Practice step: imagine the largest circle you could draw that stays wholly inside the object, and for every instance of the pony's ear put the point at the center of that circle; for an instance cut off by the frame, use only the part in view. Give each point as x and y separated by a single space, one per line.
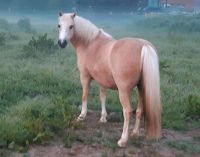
60 13
73 15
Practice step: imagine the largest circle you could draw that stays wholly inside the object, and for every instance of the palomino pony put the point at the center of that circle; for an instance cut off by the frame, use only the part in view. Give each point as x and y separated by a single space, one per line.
115 64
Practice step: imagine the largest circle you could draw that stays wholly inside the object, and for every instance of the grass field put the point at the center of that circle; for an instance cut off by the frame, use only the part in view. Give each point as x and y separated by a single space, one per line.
40 89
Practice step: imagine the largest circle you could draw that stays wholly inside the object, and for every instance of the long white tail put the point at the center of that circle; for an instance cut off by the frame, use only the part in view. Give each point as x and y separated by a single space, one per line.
151 92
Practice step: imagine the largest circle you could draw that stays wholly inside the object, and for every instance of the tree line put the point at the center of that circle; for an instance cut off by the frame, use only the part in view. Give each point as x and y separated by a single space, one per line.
69 4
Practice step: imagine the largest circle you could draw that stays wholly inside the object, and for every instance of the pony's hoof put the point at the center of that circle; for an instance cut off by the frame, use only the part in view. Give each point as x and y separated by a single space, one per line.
135 134
122 143
80 118
103 120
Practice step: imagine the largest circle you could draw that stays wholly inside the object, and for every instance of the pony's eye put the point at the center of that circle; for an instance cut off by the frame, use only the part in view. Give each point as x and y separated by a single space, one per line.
58 26
71 26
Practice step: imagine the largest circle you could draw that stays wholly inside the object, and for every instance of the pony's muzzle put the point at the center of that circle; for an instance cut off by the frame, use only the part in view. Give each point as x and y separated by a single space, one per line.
63 43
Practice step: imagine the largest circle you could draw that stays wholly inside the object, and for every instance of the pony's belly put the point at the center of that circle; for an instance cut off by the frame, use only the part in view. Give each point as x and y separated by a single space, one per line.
107 84
105 81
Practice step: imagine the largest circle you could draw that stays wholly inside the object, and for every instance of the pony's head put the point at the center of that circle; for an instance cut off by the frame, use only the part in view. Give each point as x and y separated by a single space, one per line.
66 28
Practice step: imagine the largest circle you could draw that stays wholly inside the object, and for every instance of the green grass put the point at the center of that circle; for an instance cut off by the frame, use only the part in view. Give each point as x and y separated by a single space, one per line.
137 142
104 154
4 153
34 120
196 138
39 95
70 138
186 146
110 143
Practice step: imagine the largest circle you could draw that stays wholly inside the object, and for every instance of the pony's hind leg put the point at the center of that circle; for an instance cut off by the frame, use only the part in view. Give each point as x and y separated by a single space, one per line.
124 96
139 113
85 82
103 105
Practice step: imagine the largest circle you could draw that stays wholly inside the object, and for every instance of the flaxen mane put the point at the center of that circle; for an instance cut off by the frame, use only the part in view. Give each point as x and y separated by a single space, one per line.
86 30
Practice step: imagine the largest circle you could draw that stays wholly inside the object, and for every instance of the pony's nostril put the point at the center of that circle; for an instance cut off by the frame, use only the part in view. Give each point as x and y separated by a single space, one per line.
65 42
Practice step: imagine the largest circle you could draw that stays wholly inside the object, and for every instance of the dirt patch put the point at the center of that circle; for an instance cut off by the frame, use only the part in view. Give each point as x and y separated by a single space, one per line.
94 139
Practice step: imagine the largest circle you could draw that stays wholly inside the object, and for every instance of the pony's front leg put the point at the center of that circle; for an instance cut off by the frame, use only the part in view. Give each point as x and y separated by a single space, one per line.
85 82
124 96
103 105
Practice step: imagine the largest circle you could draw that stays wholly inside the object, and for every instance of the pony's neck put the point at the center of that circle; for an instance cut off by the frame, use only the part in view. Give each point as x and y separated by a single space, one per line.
85 31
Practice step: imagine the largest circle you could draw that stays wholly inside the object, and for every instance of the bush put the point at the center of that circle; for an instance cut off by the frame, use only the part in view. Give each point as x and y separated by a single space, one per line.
193 106
40 45
172 24
12 36
185 24
2 39
25 25
34 120
4 24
